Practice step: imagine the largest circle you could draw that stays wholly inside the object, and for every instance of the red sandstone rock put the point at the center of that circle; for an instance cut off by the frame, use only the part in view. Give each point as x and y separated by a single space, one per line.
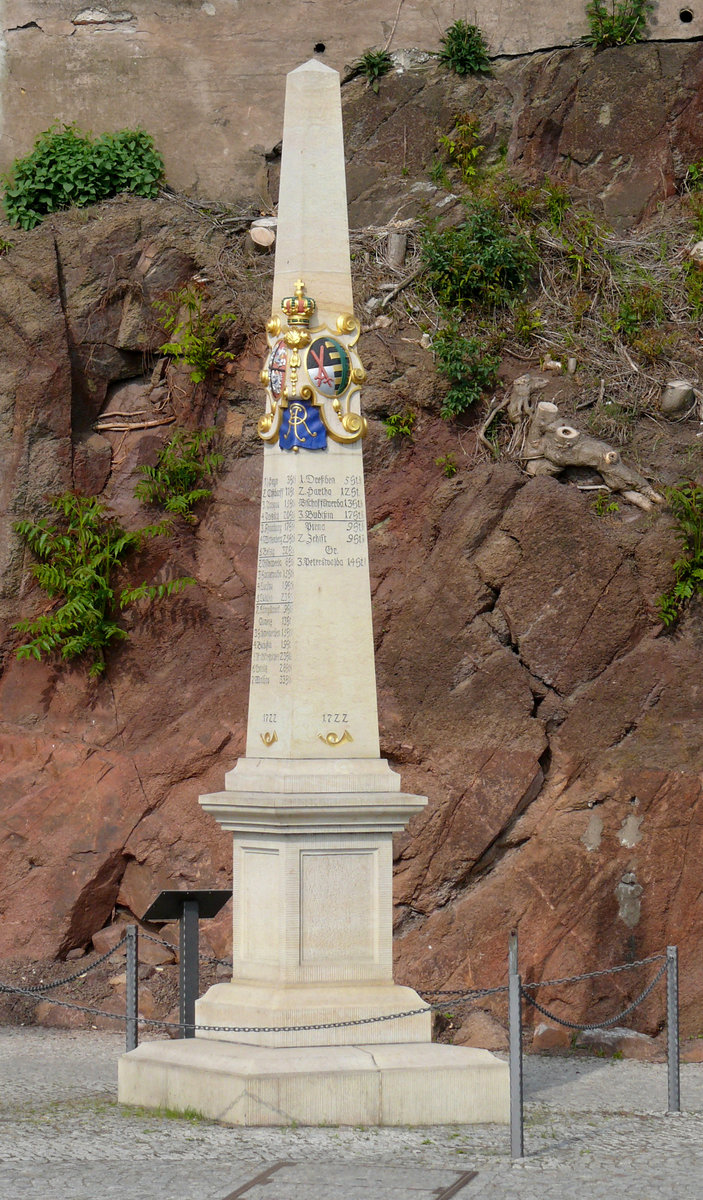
483 1030
550 1037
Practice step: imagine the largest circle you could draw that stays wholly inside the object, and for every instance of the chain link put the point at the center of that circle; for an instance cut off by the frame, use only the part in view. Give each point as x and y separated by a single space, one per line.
219 962
38 988
641 962
596 1024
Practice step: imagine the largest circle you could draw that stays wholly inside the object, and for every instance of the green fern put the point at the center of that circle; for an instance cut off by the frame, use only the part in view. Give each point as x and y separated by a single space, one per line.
686 503
193 334
176 482
78 559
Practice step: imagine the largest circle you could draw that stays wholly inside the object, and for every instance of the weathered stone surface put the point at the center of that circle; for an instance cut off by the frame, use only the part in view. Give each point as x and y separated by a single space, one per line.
620 127
625 1043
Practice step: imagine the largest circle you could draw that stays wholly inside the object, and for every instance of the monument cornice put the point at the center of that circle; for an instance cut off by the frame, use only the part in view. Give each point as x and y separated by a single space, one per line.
353 812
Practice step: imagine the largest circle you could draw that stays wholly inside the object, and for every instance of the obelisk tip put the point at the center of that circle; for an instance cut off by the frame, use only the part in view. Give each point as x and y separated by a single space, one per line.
313 64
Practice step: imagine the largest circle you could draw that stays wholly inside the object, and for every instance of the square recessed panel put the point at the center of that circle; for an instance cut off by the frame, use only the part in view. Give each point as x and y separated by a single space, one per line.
338 906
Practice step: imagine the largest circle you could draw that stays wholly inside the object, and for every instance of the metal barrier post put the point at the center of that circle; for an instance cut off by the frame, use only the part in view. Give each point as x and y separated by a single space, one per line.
672 1028
517 1144
132 997
189 965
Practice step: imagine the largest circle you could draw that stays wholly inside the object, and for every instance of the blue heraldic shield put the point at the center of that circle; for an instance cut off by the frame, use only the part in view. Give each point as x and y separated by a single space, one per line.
302 428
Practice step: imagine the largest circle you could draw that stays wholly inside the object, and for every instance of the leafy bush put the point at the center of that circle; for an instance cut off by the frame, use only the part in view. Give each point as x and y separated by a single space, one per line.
68 167
557 202
468 366
616 22
373 64
78 558
464 50
176 482
686 503
478 262
528 322
193 336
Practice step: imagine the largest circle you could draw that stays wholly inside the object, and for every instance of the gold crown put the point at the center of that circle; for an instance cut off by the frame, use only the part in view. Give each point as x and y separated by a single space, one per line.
298 308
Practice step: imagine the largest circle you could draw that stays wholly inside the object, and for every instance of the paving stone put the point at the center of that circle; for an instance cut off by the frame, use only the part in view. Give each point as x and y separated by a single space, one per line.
592 1127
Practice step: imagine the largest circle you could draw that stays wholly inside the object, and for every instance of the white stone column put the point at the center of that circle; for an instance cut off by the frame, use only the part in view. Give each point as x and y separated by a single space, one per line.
313 807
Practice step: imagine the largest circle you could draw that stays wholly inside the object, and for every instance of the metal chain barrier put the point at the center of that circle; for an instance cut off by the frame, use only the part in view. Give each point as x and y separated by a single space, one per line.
39 988
641 962
219 962
517 991
596 1024
468 998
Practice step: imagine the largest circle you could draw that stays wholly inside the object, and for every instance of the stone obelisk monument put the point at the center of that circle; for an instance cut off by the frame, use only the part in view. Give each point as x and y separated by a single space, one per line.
302 1030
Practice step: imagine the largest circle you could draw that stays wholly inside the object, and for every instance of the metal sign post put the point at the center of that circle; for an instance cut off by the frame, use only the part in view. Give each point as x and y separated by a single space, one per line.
188 908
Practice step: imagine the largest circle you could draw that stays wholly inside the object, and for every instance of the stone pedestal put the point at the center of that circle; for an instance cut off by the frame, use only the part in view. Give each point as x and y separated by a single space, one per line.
312 907
318 1085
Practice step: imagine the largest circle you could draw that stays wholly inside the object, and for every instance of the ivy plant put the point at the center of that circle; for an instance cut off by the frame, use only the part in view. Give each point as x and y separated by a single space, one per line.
68 167
175 484
79 556
193 333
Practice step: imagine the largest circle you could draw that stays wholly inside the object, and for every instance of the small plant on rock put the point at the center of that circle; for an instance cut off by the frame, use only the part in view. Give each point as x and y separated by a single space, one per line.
464 50
686 503
447 464
603 506
68 167
462 147
194 335
400 424
468 366
373 65
79 557
616 22
175 484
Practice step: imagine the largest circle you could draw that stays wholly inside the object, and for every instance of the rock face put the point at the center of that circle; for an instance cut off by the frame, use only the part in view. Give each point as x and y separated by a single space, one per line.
525 684
621 126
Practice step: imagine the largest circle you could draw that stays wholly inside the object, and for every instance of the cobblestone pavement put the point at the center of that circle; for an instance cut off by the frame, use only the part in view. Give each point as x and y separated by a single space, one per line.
593 1129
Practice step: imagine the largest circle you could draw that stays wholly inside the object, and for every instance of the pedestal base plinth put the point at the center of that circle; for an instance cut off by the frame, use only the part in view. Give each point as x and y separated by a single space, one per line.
287 1008
402 1084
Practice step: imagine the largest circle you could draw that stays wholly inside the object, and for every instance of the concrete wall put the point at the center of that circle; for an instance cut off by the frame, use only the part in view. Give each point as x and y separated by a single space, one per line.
206 78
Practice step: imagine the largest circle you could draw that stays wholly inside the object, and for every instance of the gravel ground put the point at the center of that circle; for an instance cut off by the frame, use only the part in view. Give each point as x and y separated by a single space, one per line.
593 1127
